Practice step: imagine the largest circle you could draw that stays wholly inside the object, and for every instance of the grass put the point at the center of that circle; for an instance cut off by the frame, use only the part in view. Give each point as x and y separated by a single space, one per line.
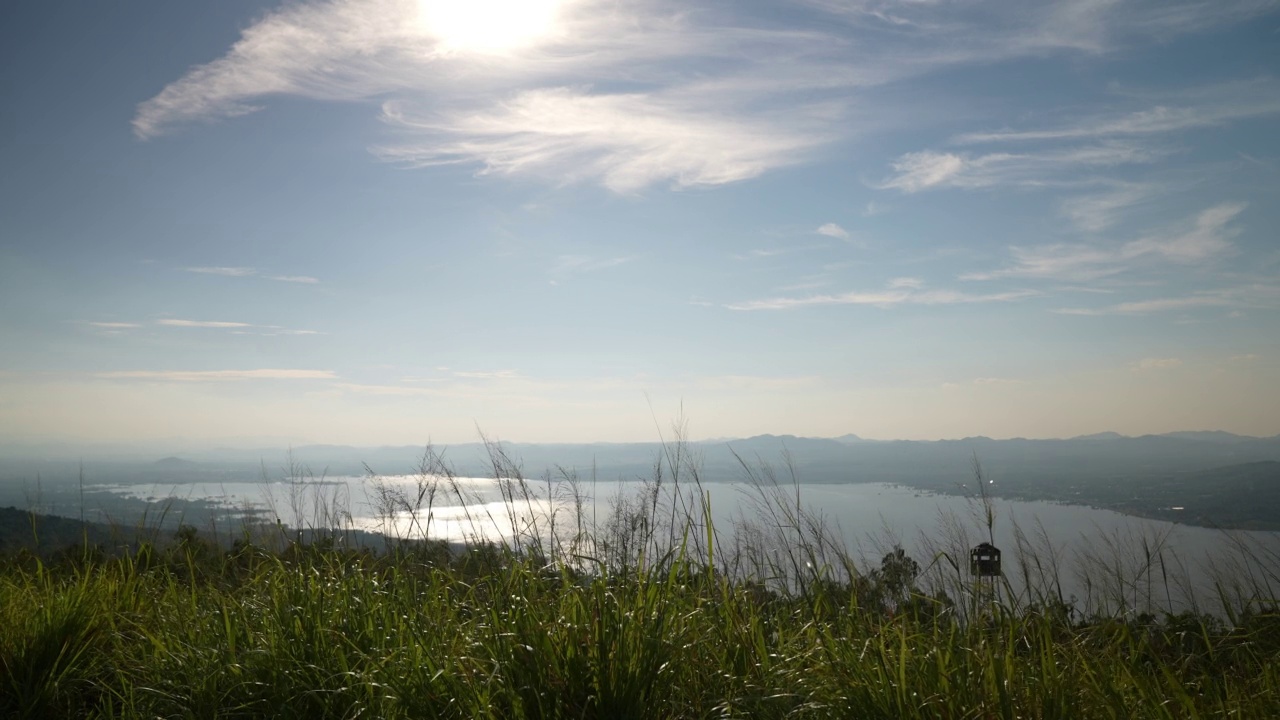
651 613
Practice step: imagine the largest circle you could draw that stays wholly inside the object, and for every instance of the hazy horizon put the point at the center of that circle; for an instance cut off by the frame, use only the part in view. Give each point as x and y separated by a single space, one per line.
178 446
388 222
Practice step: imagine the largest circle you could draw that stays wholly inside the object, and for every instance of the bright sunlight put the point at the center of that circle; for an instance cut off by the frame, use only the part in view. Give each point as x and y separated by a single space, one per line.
490 26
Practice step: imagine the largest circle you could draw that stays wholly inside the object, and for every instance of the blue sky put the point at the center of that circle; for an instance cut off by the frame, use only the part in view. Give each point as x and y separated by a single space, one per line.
389 221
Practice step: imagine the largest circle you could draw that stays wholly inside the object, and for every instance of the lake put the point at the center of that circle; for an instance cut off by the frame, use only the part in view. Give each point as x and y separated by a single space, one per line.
1098 556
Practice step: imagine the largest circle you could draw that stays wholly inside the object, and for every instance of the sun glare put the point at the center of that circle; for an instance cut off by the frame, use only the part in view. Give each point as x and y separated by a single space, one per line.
491 26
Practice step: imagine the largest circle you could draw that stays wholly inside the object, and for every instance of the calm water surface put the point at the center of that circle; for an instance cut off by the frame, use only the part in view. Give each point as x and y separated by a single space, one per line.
868 518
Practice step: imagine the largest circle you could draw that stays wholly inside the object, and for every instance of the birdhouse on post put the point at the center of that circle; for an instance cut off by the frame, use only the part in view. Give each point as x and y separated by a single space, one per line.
984 560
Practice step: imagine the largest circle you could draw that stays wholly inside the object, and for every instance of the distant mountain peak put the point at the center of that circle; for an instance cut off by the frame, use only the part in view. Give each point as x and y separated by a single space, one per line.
1218 436
1108 435
174 462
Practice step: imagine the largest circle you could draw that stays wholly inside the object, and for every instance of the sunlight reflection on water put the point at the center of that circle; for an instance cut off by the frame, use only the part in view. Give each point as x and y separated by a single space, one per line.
868 518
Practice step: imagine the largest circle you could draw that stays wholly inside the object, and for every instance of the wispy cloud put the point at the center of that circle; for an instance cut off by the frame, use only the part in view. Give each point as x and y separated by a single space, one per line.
1079 155
1203 237
250 272
998 381
565 265
115 325
1157 364
236 328
274 331
928 169
759 253
625 141
1143 307
890 297
305 279
173 322
919 170
639 93
1058 262
810 282
486 374
757 382
986 382
1071 262
995 29
1098 211
1208 236
1199 108
550 107
833 230
1245 296
385 390
227 271
218 375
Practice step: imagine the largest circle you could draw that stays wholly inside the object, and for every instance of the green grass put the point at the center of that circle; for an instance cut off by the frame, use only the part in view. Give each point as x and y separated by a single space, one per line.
645 616
345 634
351 634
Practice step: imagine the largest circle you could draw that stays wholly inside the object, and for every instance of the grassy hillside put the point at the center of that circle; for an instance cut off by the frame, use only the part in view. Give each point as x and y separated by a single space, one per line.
23 529
315 632
652 613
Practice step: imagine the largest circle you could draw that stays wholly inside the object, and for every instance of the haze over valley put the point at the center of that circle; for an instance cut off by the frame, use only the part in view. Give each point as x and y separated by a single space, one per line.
249 238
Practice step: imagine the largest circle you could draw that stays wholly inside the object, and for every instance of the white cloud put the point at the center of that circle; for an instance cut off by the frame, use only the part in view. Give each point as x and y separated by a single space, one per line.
919 170
1209 236
250 272
1142 307
115 325
236 328
227 271
274 331
1199 239
833 230
810 282
305 279
385 390
1245 296
575 264
543 109
171 322
759 253
218 375
998 381
486 375
1072 155
739 383
625 141
1199 108
928 169
1057 262
996 29
1157 364
633 94
1098 211
888 298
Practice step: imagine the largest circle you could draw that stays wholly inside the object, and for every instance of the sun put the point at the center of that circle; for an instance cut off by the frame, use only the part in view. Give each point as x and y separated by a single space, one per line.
488 26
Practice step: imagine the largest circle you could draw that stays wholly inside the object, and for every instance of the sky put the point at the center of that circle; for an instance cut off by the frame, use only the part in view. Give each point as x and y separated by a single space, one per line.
379 222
